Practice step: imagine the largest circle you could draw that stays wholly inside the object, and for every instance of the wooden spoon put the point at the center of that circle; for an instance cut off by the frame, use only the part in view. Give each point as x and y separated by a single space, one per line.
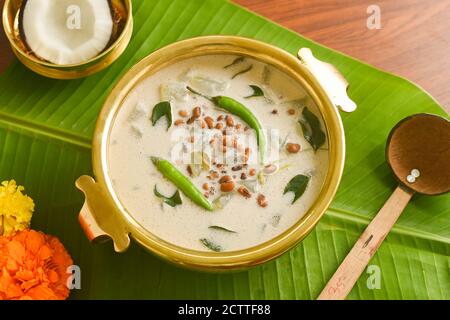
418 152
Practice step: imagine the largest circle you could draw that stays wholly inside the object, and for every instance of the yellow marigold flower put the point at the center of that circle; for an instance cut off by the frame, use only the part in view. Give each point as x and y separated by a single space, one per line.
16 208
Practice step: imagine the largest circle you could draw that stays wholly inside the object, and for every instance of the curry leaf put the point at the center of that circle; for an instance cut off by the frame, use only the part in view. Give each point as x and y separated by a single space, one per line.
173 201
160 110
257 92
250 67
297 185
312 130
222 229
236 61
211 245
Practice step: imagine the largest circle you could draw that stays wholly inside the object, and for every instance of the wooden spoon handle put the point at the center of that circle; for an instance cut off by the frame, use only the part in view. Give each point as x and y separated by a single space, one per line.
368 243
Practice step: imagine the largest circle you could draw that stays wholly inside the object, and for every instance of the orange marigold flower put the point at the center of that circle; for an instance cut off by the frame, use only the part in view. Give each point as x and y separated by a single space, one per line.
33 265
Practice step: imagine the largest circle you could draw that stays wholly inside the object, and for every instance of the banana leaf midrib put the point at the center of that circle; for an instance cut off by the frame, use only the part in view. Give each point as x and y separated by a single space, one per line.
23 124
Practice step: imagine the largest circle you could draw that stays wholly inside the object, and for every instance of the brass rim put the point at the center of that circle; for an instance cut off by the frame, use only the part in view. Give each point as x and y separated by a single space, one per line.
222 45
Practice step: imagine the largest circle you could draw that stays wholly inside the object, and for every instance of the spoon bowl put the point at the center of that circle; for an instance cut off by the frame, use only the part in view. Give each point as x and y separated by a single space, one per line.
421 142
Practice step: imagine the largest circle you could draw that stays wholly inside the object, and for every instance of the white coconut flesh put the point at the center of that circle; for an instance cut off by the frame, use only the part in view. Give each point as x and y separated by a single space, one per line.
67 31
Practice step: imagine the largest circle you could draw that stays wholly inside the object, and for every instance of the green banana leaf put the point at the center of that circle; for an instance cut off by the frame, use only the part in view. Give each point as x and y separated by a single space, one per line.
45 131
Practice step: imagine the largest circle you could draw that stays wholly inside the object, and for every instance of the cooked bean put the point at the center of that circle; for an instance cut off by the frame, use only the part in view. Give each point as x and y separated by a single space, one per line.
225 179
244 192
230 121
213 175
190 120
196 112
210 122
262 201
292 147
241 111
227 186
178 122
183 113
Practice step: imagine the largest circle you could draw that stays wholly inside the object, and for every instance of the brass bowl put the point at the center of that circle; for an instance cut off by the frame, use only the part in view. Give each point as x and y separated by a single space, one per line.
103 216
11 11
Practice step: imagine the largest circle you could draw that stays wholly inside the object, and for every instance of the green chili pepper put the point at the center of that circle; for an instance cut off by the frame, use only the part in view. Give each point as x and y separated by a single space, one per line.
238 109
181 182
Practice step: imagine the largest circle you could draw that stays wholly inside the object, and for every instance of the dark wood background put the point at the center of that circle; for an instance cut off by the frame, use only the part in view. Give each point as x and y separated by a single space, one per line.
414 40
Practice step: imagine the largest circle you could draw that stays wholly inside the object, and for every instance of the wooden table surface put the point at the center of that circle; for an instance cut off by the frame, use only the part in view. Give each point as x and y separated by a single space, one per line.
414 39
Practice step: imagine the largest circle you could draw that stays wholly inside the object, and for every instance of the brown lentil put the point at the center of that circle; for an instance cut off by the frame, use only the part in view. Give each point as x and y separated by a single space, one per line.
262 201
178 122
210 122
225 179
227 186
244 192
230 121
196 112
183 113
190 120
213 175
292 147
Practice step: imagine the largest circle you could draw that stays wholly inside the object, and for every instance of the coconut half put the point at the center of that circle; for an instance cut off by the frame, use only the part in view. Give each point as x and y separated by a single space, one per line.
66 31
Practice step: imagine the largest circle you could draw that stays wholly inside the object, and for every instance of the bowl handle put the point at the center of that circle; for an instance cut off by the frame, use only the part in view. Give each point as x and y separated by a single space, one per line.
98 219
329 78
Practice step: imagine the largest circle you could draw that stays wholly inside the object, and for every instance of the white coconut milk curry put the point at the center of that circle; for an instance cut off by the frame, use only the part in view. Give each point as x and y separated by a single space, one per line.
217 153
